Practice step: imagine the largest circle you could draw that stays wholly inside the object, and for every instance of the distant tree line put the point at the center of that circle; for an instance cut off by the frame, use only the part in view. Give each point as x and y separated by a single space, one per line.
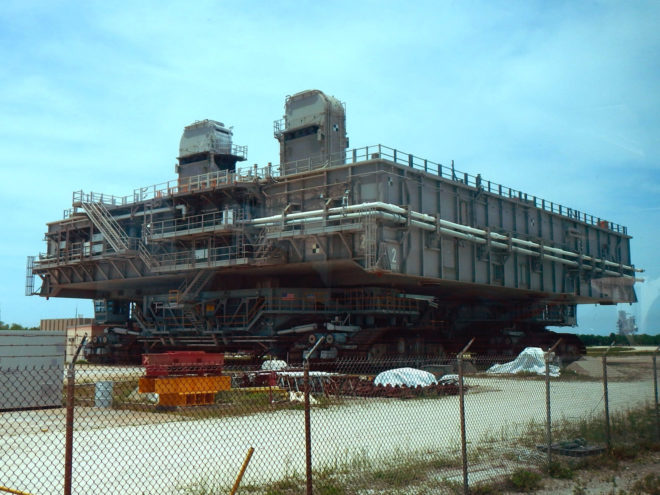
620 340
15 326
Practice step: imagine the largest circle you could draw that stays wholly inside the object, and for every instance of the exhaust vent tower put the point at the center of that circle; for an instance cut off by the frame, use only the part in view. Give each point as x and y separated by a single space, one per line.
313 128
206 146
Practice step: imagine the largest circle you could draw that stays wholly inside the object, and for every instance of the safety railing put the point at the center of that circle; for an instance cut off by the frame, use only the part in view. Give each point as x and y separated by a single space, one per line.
76 252
243 315
182 185
216 179
381 152
200 258
206 222
348 301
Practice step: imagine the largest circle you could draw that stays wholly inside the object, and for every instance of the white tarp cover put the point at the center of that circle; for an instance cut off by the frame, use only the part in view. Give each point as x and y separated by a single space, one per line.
410 377
273 365
530 360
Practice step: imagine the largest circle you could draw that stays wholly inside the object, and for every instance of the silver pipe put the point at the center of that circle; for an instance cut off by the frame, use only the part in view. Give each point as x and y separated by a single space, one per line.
299 329
522 242
428 222
141 213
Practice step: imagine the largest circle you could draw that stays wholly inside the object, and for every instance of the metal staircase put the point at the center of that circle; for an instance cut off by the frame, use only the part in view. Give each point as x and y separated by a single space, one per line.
108 226
198 323
137 315
114 233
245 315
145 255
188 292
261 246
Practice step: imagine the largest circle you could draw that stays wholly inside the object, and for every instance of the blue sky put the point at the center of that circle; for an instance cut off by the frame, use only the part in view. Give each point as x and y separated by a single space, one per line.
558 99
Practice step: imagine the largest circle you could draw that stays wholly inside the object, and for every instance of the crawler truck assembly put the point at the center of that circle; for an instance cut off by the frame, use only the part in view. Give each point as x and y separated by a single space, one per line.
380 252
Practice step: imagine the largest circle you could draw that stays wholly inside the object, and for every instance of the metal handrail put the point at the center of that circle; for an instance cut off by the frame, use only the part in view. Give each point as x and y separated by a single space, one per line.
203 222
213 255
215 179
355 302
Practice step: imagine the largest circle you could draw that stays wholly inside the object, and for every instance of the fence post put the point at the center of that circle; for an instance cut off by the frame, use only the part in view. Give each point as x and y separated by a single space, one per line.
308 430
655 388
242 471
461 392
70 391
608 439
548 420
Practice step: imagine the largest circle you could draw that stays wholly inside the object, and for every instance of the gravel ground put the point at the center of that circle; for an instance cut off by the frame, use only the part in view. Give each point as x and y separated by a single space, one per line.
132 452
604 480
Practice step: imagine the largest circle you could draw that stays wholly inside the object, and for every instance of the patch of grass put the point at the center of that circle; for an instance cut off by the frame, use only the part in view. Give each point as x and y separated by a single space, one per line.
330 487
287 486
597 463
579 489
121 391
444 462
624 452
398 476
611 351
630 431
452 486
203 487
485 488
560 470
617 351
524 480
649 484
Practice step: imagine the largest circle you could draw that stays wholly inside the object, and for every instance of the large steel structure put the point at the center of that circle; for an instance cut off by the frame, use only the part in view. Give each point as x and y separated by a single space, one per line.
379 251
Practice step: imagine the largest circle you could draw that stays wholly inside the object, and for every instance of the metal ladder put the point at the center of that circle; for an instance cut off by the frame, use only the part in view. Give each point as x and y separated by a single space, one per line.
29 276
370 251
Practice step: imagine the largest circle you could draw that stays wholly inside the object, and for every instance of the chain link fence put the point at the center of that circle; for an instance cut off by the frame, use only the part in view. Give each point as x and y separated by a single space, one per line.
241 429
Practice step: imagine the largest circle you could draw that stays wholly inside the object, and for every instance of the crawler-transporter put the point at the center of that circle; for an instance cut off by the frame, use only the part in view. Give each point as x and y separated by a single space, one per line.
380 252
